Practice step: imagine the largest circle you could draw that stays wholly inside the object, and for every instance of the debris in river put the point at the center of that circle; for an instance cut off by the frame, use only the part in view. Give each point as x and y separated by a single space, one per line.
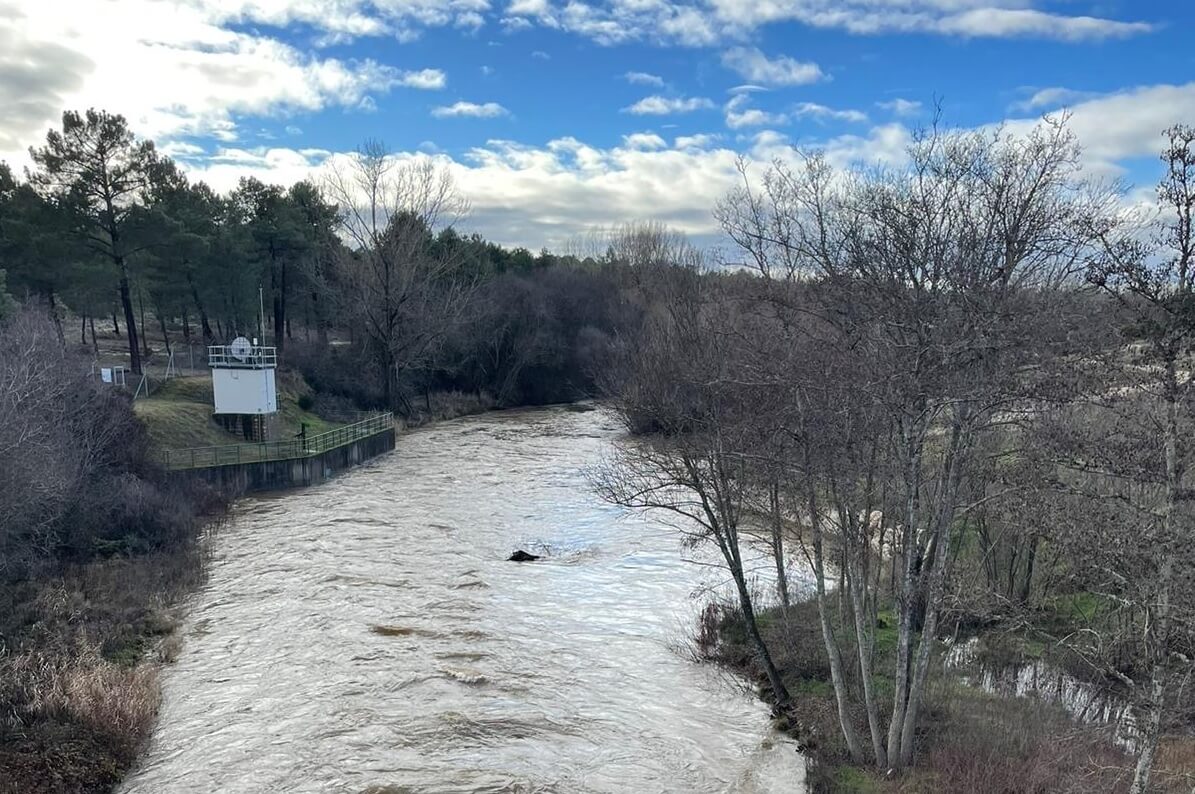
522 556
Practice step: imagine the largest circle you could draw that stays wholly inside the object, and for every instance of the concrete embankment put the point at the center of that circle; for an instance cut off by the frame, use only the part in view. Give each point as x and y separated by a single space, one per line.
271 475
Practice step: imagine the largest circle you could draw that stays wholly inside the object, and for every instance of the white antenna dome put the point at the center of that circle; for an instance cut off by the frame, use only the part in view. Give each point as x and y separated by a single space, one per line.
240 348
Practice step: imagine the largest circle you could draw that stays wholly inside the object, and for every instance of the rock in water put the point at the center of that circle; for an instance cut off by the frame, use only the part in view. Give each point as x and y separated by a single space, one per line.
522 556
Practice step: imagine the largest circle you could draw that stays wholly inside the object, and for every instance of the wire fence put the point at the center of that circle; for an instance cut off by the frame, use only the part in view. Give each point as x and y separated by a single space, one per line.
303 447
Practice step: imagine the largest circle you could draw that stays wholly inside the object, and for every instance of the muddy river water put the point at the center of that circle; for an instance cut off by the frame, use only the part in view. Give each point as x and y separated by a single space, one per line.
368 635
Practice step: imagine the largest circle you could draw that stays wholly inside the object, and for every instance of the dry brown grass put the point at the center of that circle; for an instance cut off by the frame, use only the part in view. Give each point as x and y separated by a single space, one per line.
79 655
85 687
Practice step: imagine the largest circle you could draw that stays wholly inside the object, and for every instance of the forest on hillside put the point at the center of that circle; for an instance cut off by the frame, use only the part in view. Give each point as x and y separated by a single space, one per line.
361 273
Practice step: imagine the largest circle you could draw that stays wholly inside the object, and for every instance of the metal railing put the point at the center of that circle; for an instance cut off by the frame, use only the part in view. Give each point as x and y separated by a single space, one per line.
256 357
230 454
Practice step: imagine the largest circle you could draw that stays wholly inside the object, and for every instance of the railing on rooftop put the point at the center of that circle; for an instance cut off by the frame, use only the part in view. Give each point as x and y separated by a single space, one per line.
222 356
231 454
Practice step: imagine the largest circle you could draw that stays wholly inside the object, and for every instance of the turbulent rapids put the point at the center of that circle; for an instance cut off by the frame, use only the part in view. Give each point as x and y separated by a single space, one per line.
369 635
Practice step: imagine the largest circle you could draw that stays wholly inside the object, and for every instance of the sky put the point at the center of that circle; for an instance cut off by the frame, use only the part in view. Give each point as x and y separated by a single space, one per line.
557 117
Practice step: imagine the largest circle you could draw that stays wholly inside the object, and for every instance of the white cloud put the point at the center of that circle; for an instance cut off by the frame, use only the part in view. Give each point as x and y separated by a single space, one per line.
470 20
181 150
1026 23
966 18
739 115
699 141
901 107
644 140
1051 99
541 55
536 196
426 79
663 106
643 78
823 113
487 110
710 22
752 64
1125 124
170 68
546 195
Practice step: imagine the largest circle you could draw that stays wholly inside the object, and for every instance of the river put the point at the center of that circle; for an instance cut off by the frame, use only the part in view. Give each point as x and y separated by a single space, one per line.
368 635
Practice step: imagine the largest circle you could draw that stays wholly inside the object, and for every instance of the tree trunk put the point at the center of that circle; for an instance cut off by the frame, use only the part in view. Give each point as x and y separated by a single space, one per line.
95 346
939 559
765 656
115 325
904 600
1027 582
53 306
865 639
778 546
83 329
162 325
142 334
837 677
130 321
204 324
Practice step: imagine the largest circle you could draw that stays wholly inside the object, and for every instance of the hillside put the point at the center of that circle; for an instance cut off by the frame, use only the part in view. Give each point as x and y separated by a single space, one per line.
178 414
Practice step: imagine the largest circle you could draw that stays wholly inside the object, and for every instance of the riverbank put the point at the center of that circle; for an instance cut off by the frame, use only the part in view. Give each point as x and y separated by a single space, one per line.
82 648
973 740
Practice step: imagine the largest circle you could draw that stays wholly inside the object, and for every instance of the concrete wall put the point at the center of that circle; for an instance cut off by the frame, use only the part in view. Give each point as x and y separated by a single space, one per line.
240 478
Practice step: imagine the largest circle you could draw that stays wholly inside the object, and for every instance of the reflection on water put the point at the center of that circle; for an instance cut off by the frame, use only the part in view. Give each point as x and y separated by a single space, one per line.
368 635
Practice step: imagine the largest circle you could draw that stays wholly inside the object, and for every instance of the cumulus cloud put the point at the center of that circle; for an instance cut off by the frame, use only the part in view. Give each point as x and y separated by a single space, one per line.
740 115
643 140
1051 99
169 68
699 141
1026 23
823 113
487 110
966 18
665 106
753 65
643 78
426 79
703 24
901 107
1125 124
546 195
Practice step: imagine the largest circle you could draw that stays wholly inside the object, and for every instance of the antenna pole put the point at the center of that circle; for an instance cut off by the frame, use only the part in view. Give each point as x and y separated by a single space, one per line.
261 316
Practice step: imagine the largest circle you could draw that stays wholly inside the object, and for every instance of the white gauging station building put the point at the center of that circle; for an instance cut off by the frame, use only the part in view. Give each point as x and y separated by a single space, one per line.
244 388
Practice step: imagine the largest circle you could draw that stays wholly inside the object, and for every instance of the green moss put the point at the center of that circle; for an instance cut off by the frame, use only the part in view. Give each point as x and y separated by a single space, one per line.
852 780
810 686
1078 608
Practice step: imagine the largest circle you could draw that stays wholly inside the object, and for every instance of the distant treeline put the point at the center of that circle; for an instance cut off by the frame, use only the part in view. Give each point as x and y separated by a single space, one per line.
364 266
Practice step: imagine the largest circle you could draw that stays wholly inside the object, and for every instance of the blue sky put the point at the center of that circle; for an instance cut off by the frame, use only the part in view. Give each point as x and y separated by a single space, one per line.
557 116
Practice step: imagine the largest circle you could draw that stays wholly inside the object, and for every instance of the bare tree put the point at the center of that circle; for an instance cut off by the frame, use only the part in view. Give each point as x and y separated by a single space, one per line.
1142 470
680 379
406 295
929 281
